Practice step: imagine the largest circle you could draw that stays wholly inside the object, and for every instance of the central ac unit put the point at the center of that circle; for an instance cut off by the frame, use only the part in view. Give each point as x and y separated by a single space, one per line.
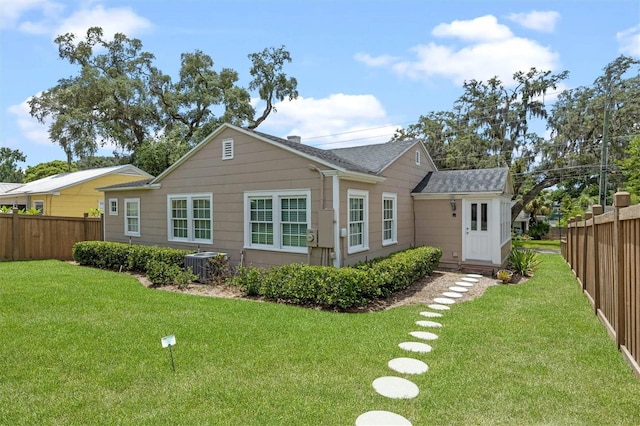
199 264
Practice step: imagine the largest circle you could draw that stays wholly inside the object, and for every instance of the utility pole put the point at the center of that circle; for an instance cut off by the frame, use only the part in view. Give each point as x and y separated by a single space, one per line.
604 156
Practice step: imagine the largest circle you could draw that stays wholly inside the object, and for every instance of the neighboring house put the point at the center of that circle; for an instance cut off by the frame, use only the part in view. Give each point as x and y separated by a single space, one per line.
68 194
520 226
267 201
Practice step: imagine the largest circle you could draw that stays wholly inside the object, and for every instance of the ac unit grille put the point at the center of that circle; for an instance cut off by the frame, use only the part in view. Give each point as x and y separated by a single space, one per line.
199 264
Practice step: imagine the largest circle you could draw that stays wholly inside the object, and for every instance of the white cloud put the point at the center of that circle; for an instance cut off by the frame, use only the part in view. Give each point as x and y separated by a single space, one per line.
539 21
375 61
46 17
12 12
484 28
116 20
336 121
31 130
488 49
629 41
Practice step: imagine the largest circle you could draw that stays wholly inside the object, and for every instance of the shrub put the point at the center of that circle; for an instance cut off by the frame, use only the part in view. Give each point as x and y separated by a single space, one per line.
523 261
538 230
162 273
218 269
341 288
132 257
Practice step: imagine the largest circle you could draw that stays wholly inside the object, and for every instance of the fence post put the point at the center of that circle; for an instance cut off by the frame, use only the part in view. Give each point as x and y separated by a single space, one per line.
576 248
597 211
17 238
620 200
84 226
587 216
570 241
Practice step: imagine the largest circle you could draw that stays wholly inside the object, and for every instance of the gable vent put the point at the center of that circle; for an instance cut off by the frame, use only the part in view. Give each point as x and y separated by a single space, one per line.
227 149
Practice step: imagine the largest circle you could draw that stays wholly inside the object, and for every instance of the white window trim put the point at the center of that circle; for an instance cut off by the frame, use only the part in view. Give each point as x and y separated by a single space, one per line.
277 240
38 202
126 216
227 149
418 157
190 229
394 224
357 193
113 212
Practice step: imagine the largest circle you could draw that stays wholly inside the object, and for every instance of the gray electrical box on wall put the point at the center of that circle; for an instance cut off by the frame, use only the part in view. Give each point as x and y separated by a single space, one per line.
325 228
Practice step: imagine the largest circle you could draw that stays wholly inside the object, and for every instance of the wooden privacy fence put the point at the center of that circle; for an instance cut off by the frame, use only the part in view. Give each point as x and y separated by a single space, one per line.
603 251
25 237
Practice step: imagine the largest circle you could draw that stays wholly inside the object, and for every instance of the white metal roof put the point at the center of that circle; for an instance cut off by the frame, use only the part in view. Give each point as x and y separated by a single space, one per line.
61 181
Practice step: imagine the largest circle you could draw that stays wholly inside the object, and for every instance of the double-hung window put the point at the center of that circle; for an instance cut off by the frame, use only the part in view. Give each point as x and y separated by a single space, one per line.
132 217
113 206
389 219
277 220
358 202
190 217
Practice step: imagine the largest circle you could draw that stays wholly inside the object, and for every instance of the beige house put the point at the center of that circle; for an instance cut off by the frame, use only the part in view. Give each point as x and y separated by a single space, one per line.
265 200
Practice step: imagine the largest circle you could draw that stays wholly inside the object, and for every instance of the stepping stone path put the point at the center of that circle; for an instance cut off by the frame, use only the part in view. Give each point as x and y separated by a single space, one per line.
381 418
428 324
395 387
398 387
431 314
415 347
424 335
408 366
439 307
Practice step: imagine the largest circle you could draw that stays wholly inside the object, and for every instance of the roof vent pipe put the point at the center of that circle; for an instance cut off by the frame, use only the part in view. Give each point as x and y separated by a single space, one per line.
296 139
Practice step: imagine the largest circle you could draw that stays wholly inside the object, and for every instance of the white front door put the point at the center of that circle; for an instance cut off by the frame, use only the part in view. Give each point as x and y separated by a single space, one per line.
477 237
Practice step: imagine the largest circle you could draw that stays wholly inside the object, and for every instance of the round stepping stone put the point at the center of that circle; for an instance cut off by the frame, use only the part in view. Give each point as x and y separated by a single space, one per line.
381 418
444 301
439 307
474 275
422 348
459 289
395 387
428 324
408 366
424 335
469 280
431 314
452 294
464 284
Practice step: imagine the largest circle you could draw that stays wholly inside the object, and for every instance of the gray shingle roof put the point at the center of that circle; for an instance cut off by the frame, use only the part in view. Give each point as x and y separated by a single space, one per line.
322 154
375 157
464 181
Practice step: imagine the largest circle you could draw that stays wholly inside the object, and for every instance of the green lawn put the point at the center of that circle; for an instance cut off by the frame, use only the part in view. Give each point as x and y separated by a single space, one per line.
542 244
82 346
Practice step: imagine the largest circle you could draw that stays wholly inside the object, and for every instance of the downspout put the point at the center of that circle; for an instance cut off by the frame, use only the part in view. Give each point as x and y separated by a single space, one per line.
337 241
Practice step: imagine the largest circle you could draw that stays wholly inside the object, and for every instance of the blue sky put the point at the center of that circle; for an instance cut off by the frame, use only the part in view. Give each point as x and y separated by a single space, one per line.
364 68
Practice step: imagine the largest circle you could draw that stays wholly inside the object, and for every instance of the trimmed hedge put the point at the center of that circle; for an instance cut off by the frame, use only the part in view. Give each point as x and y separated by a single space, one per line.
130 257
341 288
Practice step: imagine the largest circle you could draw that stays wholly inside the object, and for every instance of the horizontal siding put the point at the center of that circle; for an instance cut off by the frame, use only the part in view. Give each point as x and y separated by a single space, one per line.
436 226
256 166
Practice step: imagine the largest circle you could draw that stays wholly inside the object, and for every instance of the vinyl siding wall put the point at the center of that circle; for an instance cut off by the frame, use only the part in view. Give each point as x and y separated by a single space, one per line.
256 166
437 227
401 177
